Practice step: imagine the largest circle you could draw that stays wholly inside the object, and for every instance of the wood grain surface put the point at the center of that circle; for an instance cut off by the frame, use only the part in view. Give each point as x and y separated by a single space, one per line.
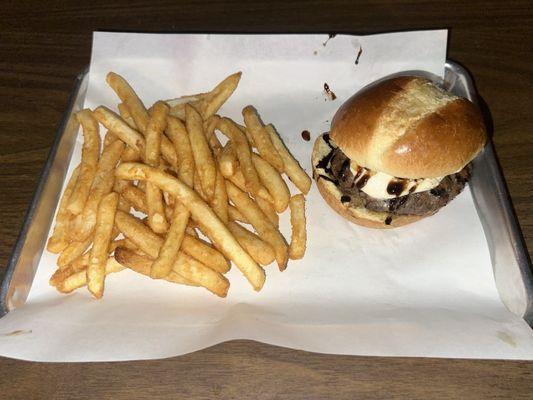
44 45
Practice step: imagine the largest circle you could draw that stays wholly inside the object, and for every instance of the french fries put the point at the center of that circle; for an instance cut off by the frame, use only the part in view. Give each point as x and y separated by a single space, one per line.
167 164
185 270
197 272
269 210
150 243
169 250
220 199
129 99
291 167
59 239
143 265
260 251
89 161
244 154
102 185
238 180
266 230
136 197
120 128
299 234
203 158
73 251
210 125
227 160
261 138
218 96
178 134
202 214
154 197
102 238
235 215
79 279
273 182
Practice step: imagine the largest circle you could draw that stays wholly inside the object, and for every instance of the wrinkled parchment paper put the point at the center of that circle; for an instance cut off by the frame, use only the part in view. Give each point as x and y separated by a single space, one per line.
422 290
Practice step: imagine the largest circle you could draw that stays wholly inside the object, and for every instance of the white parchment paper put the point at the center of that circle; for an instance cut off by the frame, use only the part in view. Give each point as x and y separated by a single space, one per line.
422 290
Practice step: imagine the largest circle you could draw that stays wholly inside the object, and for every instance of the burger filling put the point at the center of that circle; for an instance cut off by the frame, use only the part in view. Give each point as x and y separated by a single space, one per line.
396 196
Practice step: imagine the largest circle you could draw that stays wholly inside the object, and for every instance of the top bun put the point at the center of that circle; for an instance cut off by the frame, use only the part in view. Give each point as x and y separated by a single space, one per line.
409 128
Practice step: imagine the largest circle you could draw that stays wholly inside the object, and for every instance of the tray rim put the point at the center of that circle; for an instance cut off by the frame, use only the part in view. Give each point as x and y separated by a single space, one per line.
36 197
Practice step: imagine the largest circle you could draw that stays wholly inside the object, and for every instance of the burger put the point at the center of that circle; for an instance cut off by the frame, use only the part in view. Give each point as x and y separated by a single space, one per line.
397 151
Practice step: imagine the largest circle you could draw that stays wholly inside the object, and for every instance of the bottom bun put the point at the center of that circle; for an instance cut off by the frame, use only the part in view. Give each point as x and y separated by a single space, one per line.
358 215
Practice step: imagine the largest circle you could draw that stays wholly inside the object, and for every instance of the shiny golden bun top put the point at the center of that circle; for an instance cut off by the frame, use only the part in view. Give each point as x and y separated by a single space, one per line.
409 128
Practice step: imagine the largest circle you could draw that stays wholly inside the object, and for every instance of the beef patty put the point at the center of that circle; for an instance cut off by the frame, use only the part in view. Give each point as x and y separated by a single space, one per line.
421 203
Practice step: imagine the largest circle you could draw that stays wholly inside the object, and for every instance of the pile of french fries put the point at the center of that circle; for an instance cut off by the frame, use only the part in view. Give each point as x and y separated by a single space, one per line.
162 178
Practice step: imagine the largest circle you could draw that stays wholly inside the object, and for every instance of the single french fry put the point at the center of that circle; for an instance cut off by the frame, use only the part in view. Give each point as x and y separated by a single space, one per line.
191 98
197 272
79 264
60 237
210 126
129 98
79 279
269 210
169 250
218 96
197 186
238 180
109 138
260 222
248 135
244 154
273 182
206 254
261 138
142 265
102 238
177 106
291 167
73 251
130 155
299 234
102 185
156 209
236 215
227 160
89 161
168 152
202 214
120 128
220 200
180 138
154 131
203 158
123 204
139 234
260 251
135 197
124 113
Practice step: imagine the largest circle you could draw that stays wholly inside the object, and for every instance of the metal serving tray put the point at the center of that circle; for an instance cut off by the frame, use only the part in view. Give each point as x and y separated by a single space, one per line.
511 265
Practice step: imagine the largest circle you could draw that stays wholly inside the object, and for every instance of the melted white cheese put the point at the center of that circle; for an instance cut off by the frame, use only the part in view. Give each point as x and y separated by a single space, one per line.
377 183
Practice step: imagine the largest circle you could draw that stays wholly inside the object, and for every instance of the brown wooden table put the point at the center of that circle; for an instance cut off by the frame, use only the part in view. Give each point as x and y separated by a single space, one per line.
43 45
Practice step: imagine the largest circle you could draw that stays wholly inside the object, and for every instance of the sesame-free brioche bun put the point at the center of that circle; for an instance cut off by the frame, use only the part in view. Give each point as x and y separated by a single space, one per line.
408 127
